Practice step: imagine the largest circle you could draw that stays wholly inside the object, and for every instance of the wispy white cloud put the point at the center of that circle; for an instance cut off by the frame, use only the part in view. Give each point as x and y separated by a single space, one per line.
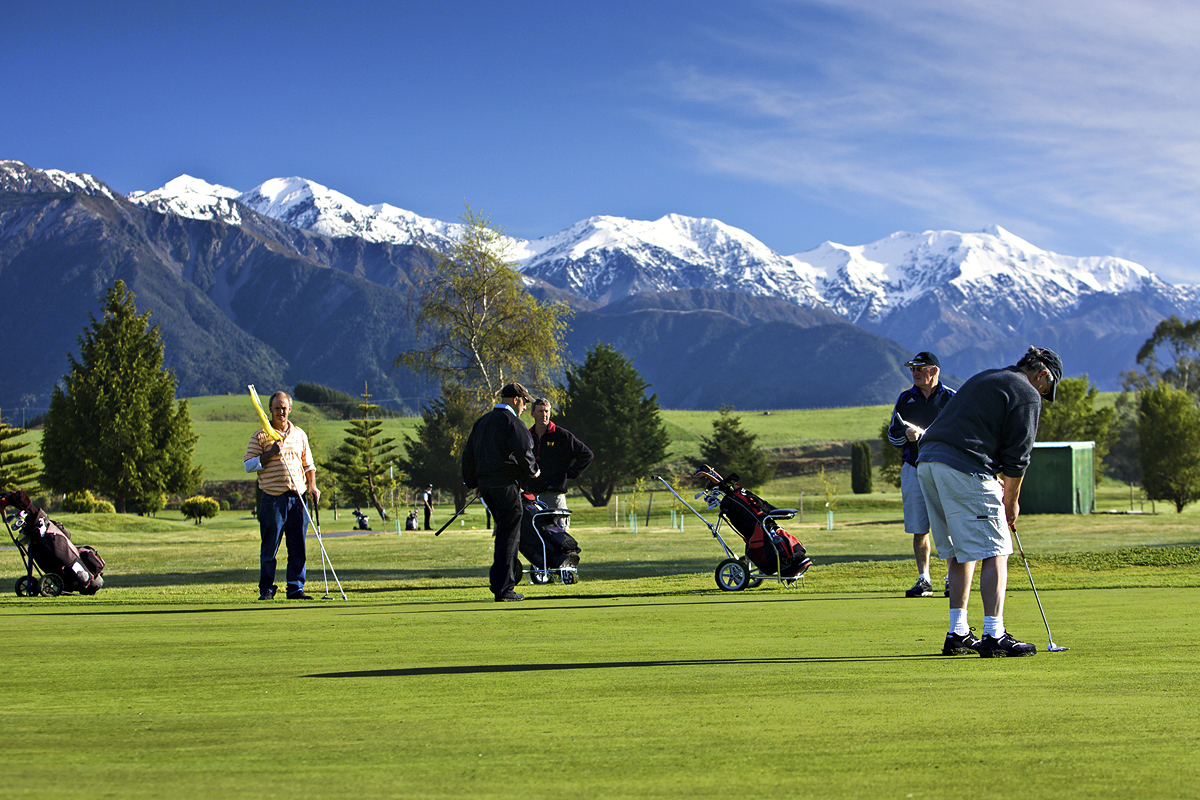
1059 113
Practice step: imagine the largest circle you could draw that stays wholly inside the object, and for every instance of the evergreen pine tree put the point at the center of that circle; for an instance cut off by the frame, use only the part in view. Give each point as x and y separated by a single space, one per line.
434 454
860 468
605 405
16 468
361 462
731 450
115 426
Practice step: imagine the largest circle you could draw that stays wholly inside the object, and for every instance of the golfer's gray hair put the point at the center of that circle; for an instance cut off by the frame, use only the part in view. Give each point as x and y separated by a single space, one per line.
542 401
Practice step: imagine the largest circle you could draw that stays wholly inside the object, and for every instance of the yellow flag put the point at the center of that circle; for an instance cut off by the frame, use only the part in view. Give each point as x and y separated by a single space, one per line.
270 431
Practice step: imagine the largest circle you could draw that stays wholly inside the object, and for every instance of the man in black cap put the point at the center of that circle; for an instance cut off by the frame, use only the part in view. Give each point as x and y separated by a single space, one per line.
498 456
972 462
916 409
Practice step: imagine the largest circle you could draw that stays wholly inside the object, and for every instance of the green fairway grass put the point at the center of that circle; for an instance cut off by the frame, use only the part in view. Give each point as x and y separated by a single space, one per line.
642 680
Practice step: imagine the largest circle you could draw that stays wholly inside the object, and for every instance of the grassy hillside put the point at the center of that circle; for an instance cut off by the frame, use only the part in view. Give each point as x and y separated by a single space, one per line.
223 424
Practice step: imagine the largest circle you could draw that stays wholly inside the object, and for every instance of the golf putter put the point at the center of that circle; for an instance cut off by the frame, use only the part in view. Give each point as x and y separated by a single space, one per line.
1052 647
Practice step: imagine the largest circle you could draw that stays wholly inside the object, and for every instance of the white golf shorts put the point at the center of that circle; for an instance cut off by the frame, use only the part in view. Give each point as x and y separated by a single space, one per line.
966 513
916 516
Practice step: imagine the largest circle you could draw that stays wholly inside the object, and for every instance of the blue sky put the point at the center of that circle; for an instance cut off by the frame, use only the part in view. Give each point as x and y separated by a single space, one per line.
1073 124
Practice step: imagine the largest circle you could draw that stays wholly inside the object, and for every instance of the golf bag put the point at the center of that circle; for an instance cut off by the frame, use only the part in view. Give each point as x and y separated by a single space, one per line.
770 547
361 518
47 545
544 542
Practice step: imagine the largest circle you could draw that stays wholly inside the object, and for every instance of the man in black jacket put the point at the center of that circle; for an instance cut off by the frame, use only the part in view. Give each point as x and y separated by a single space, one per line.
560 456
498 456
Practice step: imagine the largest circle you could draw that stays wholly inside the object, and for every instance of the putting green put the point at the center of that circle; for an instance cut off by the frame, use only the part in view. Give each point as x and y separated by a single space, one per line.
593 694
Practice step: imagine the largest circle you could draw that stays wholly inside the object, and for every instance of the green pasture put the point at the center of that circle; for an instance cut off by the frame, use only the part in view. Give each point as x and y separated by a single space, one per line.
642 680
223 424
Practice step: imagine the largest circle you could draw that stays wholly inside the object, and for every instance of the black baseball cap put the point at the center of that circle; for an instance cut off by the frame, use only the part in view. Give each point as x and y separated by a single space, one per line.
1053 363
924 359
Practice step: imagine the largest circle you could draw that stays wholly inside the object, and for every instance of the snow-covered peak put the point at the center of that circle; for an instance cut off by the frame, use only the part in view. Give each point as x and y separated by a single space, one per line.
193 198
301 203
876 278
19 176
604 257
185 186
79 182
307 204
690 239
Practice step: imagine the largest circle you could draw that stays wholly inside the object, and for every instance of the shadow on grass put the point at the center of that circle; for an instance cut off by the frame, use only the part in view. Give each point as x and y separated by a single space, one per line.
608 570
603 571
476 669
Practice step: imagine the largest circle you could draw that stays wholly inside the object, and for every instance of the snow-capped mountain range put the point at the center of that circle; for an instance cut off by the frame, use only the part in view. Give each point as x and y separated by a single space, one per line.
604 258
977 299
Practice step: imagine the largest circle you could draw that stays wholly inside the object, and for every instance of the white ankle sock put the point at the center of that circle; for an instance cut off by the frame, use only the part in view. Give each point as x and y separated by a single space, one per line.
993 627
958 621
925 577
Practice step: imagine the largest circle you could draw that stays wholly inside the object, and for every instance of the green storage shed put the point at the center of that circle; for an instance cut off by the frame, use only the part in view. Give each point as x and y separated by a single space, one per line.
1061 479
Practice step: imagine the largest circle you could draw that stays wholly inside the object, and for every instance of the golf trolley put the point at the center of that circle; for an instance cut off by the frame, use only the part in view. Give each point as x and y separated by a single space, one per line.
46 548
771 552
553 554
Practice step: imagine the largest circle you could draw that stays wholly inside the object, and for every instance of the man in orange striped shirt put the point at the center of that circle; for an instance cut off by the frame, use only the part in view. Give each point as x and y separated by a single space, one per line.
285 469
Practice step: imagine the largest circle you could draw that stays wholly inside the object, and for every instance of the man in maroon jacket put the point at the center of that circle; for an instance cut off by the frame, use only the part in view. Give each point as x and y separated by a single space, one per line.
559 455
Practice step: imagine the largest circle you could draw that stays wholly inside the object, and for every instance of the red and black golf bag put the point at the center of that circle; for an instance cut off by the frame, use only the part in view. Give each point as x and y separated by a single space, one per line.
771 548
48 545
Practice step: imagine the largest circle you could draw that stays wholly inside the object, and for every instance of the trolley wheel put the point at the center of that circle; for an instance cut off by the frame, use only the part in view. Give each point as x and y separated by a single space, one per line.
52 585
568 577
732 575
755 581
28 587
538 577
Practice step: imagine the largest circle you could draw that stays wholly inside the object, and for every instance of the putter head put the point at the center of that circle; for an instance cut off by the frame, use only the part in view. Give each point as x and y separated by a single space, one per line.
1053 648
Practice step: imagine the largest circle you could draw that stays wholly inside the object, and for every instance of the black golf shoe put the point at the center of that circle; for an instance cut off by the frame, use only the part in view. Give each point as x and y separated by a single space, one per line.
922 588
960 644
268 594
300 595
1004 647
509 596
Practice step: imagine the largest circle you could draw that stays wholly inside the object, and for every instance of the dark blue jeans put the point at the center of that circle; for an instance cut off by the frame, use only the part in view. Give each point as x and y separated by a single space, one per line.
281 518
